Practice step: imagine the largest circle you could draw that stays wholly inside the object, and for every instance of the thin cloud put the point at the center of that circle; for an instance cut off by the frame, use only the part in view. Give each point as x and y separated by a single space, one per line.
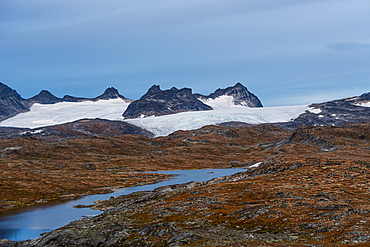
347 46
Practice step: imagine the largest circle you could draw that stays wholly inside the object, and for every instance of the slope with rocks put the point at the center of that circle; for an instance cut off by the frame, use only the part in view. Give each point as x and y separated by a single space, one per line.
300 195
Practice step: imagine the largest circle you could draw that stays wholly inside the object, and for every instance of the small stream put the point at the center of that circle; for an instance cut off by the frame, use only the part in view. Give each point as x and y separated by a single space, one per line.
29 223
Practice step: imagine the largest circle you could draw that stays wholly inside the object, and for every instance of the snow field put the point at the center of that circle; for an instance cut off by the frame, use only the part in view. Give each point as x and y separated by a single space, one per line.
41 115
165 125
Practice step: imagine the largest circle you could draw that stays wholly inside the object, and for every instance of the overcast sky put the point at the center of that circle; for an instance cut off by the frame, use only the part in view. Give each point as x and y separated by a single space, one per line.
287 52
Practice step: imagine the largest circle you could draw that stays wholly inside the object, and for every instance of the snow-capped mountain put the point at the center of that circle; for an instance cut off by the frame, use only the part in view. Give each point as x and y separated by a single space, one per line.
11 103
239 94
157 102
180 109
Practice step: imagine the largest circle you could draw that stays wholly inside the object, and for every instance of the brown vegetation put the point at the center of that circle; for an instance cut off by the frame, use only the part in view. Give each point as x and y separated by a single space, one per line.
38 170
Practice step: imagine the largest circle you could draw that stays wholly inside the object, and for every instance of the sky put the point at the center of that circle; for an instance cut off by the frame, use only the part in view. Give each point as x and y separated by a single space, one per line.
287 52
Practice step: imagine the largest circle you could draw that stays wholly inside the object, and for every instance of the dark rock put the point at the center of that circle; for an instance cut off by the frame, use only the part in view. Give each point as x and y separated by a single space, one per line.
44 97
11 103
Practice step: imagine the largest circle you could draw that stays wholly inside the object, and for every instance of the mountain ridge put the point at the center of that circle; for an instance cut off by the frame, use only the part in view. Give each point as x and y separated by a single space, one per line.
11 103
157 102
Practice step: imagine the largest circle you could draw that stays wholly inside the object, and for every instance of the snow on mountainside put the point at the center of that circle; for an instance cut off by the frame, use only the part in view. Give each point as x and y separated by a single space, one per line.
223 101
225 111
165 125
51 114
367 104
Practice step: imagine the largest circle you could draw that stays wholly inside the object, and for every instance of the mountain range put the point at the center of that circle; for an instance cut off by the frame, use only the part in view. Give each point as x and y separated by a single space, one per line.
11 103
155 102
161 112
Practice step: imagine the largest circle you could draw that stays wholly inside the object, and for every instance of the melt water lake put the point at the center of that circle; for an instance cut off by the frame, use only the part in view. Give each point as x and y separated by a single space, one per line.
29 223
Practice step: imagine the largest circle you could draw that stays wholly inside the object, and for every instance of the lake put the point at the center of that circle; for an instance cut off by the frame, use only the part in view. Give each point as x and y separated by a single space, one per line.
29 223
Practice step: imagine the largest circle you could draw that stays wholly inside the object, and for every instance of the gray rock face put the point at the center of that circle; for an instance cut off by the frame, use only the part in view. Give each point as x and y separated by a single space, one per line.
241 95
11 103
157 102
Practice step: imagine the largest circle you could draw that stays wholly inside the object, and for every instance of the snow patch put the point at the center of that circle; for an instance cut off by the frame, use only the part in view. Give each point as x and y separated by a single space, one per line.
41 115
224 101
256 165
314 110
367 104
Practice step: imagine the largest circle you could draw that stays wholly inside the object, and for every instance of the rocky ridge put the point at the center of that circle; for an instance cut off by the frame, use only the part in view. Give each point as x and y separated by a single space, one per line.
157 102
11 103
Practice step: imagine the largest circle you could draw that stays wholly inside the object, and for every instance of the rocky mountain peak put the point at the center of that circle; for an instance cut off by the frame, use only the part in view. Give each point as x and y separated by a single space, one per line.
111 93
240 93
6 92
158 102
152 91
11 103
44 97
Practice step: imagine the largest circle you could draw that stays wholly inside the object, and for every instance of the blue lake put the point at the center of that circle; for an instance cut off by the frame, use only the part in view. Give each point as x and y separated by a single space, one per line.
29 223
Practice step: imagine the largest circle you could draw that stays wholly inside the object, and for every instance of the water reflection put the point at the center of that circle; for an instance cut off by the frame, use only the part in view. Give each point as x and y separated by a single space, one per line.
30 222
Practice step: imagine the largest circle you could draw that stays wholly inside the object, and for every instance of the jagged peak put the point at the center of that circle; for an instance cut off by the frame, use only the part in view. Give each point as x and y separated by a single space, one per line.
44 93
154 89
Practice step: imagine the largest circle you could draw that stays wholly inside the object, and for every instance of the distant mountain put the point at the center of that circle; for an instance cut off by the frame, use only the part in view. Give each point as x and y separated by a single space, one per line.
11 103
240 94
44 97
157 102
335 113
109 93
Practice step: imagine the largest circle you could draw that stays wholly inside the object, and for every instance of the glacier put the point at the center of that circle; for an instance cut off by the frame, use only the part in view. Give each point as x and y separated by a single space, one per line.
41 115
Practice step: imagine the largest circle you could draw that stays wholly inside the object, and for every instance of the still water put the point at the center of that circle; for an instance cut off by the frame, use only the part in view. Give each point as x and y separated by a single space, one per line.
29 223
